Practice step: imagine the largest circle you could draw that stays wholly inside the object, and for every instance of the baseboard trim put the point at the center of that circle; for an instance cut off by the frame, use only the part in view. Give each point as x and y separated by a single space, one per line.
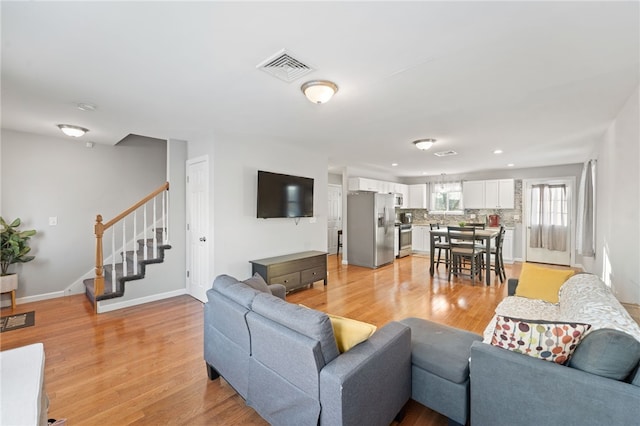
39 297
102 308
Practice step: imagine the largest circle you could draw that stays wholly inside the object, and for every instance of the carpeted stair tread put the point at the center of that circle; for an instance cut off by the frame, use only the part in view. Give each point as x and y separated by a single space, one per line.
119 279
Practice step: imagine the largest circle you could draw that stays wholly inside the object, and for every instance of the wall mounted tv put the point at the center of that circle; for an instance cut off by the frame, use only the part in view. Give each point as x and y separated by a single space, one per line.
284 195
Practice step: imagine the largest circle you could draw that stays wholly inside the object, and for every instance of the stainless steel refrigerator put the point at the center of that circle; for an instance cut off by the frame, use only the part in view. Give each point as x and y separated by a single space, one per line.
370 229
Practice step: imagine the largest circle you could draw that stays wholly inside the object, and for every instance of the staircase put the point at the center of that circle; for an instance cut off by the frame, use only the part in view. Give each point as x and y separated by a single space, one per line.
151 214
114 285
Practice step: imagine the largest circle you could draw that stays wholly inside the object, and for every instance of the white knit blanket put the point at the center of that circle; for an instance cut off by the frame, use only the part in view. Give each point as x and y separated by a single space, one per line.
584 298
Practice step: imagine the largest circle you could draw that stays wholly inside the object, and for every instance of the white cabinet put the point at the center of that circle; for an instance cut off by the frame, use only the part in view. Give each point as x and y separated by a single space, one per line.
401 188
418 196
363 184
507 246
499 194
473 194
489 194
420 238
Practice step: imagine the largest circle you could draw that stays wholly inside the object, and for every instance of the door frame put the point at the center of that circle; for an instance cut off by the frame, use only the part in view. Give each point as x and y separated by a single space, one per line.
571 215
337 187
194 291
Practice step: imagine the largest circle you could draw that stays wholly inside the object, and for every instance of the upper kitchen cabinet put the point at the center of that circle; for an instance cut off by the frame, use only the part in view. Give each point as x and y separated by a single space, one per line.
489 194
418 196
473 194
363 184
402 189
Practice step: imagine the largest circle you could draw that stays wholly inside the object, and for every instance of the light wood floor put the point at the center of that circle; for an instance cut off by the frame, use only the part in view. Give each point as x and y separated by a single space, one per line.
144 365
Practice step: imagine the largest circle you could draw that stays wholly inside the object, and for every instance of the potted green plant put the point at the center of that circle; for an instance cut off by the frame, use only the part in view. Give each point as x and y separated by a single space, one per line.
14 248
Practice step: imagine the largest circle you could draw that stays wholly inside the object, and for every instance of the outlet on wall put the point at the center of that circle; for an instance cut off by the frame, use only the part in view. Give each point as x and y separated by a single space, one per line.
53 220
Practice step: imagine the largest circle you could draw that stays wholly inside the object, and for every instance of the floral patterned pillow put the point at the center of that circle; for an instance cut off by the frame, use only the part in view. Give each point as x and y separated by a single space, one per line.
546 340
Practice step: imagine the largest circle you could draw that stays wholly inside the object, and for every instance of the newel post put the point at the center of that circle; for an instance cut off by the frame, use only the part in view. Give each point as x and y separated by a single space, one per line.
99 280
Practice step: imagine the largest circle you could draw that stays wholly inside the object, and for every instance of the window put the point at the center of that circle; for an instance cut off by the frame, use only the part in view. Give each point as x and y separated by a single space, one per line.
446 197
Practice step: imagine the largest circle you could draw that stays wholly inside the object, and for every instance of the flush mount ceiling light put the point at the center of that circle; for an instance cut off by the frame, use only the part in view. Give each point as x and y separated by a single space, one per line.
73 131
424 144
319 91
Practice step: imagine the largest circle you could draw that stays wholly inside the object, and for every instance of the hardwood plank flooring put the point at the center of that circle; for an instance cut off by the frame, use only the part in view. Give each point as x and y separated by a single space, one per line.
144 365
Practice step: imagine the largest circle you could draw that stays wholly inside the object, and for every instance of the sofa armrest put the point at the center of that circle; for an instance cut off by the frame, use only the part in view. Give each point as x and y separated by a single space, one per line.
508 388
512 283
370 383
278 290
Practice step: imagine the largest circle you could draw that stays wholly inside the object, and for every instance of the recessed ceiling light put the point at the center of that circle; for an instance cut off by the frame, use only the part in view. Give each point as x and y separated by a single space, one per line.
86 107
510 165
497 151
424 173
394 164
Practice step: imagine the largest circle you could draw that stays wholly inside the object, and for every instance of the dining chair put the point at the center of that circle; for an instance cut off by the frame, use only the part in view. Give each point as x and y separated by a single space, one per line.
498 260
440 243
466 258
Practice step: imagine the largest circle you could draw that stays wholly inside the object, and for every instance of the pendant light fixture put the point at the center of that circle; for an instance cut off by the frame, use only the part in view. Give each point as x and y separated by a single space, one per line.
319 91
73 131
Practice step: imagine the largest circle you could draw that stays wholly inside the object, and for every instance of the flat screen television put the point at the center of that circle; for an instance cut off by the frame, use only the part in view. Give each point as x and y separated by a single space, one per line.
284 195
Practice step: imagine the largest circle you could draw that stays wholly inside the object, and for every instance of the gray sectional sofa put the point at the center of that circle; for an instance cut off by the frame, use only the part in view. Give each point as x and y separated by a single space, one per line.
283 360
599 386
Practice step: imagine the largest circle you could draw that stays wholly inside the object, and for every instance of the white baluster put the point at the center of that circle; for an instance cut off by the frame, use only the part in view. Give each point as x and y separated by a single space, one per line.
167 242
155 231
113 259
145 256
135 250
164 238
124 247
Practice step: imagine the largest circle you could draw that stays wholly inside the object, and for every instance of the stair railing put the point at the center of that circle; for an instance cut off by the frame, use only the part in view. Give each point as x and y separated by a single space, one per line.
161 222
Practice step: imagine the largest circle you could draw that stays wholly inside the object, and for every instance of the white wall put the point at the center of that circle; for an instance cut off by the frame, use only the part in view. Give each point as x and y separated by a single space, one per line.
44 177
238 236
617 258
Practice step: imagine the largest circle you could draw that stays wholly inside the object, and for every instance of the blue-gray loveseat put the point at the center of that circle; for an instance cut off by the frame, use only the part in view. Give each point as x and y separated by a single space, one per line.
283 360
599 386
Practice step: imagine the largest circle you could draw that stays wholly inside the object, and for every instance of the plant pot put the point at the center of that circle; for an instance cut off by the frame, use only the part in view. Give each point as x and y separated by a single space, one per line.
8 283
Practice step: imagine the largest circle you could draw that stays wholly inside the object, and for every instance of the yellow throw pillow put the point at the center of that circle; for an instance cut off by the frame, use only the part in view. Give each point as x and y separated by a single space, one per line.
349 332
537 282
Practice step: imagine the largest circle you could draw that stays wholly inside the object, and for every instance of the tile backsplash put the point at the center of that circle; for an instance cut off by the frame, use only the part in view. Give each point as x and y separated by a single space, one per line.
508 217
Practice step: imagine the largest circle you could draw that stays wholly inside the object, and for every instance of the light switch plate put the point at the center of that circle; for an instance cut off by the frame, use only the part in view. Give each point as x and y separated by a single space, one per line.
53 220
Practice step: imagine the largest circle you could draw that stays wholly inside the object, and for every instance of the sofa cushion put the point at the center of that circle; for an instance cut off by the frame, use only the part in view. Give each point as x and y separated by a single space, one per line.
235 290
549 341
537 282
349 332
608 353
440 349
308 322
258 283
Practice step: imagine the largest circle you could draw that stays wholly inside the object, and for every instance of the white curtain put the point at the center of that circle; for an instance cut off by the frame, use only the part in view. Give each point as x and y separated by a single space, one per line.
549 221
586 228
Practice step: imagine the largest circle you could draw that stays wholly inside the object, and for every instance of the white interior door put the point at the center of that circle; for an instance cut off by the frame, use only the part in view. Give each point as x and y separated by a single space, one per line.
334 219
197 195
561 212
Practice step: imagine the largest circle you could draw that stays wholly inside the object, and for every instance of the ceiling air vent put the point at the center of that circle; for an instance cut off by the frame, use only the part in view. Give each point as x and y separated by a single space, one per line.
445 153
284 66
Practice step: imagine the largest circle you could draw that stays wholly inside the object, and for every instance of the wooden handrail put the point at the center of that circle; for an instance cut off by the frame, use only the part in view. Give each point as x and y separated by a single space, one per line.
99 229
163 187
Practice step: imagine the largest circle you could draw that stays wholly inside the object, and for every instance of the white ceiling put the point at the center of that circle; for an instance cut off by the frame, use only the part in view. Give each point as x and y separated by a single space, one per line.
540 80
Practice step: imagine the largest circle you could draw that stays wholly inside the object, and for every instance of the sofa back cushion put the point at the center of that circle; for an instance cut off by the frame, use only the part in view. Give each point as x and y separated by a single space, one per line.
607 353
235 290
308 322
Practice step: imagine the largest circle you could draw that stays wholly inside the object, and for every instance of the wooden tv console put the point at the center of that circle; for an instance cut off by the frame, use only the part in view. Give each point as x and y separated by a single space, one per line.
293 270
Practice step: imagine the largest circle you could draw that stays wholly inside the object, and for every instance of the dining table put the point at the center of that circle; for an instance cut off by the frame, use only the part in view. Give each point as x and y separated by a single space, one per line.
486 235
